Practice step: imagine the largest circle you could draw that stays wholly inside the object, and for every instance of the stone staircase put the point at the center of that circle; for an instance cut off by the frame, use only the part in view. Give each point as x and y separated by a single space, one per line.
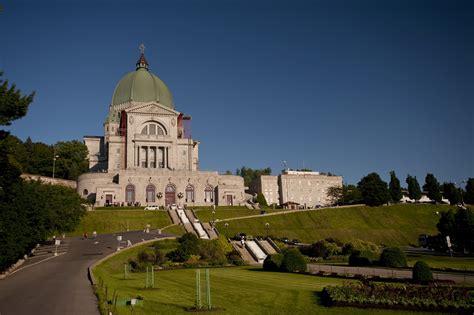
244 253
267 247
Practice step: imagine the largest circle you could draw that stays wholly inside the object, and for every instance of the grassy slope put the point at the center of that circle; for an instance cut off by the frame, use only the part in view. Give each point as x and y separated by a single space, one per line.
205 214
111 221
240 290
393 225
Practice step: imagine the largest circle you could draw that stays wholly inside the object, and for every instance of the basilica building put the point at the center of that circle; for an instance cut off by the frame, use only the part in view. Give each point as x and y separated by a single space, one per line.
147 155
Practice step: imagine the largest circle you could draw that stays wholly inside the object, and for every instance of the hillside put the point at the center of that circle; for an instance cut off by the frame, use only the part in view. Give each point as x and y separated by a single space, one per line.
388 225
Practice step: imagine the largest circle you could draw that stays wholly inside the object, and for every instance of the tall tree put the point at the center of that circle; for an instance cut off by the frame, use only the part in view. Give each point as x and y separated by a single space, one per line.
469 194
451 193
395 188
72 160
13 105
374 190
432 187
414 191
250 174
335 195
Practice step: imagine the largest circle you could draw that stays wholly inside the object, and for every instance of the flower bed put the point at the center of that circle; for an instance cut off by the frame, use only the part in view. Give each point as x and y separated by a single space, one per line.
410 297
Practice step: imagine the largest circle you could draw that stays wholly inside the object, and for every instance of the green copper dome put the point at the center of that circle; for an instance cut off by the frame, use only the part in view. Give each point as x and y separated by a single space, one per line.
142 86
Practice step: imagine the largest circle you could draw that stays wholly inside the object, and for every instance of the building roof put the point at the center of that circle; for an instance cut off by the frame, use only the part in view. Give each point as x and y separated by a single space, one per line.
142 85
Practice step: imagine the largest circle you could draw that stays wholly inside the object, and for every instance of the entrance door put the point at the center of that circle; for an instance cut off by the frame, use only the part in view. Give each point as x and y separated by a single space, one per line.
230 201
170 195
108 199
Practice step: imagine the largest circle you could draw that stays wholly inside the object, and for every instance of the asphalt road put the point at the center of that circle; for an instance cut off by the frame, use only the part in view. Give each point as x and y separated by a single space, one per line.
60 285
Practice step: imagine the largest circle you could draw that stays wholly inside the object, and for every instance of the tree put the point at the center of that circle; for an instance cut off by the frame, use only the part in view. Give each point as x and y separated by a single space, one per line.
336 195
351 195
228 172
250 174
469 195
432 187
72 160
395 188
261 200
459 226
13 105
374 190
414 191
451 193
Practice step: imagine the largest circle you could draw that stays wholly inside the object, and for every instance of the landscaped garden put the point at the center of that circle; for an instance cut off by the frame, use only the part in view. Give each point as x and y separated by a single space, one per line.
234 290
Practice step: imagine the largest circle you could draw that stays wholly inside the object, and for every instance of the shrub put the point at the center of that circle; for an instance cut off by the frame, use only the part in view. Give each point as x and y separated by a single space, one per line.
322 248
358 245
393 257
273 262
363 258
293 261
234 258
261 200
422 272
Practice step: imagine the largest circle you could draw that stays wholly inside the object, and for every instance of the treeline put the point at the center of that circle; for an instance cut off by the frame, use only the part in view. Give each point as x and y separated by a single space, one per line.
29 211
373 191
68 157
250 174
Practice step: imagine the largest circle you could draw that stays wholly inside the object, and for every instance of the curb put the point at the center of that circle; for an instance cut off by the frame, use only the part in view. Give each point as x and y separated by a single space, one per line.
12 269
90 268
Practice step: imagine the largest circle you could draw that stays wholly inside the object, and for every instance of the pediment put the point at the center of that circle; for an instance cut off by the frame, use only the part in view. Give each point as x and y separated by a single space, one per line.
151 108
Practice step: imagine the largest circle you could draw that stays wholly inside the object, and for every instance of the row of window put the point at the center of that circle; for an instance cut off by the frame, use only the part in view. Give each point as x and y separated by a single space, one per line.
170 193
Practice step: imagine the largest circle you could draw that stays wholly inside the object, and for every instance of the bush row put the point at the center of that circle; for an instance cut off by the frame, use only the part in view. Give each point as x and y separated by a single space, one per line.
434 298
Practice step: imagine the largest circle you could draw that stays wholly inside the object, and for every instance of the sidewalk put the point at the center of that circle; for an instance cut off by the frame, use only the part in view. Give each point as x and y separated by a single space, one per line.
386 273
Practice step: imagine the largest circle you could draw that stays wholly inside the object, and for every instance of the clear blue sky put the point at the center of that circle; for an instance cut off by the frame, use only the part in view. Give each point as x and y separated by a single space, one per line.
348 87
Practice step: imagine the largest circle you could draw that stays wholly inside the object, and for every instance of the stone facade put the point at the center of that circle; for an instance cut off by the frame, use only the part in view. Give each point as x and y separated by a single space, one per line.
307 189
147 156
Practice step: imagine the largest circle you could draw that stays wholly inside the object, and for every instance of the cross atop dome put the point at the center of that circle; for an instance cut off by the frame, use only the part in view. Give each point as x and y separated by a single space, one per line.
142 63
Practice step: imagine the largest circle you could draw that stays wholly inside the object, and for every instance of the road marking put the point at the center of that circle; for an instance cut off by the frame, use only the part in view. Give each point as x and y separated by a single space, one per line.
34 264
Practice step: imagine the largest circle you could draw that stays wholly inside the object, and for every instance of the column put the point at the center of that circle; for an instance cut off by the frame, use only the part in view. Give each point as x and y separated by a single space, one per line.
138 156
147 156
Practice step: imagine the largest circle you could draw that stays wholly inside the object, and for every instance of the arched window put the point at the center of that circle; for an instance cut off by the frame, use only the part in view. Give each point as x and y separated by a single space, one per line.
85 192
189 193
150 193
153 128
209 194
130 194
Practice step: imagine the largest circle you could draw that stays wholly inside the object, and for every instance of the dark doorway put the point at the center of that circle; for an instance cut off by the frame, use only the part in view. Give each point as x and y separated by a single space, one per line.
170 195
230 200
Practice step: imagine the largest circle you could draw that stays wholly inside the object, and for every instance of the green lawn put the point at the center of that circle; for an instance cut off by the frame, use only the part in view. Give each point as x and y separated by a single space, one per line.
238 290
443 262
205 214
177 230
392 225
112 221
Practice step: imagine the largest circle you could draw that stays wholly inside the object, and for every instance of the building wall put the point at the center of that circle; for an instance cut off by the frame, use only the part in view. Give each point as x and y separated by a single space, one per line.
268 186
307 190
98 185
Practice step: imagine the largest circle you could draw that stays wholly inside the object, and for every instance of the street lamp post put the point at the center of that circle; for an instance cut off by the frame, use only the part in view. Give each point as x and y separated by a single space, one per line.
267 225
54 163
213 217
226 225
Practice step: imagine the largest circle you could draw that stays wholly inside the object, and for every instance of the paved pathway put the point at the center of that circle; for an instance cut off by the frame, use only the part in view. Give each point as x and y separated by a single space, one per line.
386 272
60 285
